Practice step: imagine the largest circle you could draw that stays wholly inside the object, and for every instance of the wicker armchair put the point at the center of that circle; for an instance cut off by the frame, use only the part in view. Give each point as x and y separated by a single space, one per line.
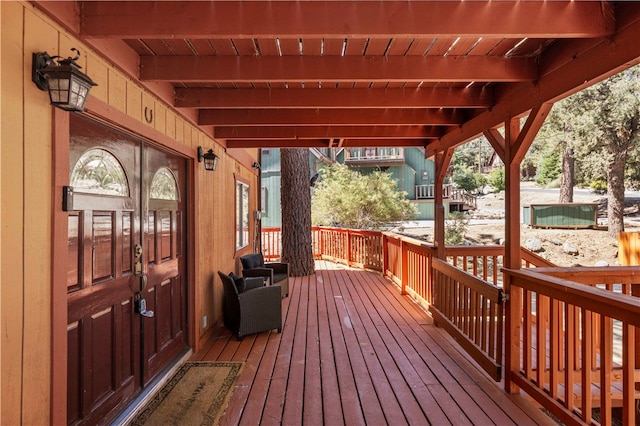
256 309
278 273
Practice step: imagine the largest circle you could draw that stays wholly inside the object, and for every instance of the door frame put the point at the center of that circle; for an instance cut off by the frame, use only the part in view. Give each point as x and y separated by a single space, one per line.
111 117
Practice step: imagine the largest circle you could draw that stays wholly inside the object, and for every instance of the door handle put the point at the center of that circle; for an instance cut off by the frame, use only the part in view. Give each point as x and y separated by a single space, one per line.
141 308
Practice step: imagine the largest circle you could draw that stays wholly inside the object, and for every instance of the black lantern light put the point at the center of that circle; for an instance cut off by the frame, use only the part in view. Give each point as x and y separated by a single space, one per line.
210 158
68 86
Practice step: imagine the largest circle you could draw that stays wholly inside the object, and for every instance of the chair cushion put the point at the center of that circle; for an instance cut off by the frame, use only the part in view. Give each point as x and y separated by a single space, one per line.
238 281
279 277
251 261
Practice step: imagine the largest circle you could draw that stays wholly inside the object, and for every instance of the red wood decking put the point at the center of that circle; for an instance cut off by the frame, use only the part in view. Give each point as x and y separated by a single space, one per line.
354 351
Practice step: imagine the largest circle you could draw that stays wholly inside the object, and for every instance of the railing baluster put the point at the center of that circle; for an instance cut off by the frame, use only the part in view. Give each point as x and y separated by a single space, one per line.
587 364
606 365
541 339
554 350
570 314
628 377
527 325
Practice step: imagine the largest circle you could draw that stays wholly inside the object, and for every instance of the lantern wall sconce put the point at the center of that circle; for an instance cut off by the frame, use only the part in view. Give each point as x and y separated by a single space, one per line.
210 159
68 86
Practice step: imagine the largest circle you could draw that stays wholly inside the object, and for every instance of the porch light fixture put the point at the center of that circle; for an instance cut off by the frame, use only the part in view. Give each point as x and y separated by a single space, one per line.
68 86
210 159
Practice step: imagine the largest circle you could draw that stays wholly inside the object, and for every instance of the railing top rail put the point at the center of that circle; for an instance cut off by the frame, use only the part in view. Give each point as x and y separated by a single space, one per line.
349 230
492 250
633 271
410 240
477 284
537 260
614 305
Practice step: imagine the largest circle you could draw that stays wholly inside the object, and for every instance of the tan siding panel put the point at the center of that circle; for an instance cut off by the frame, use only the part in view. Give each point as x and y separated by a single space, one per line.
117 90
37 232
148 109
99 73
160 118
134 101
179 130
11 151
170 126
188 134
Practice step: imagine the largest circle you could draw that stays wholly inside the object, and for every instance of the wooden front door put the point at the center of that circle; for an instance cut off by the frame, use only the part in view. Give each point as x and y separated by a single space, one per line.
125 253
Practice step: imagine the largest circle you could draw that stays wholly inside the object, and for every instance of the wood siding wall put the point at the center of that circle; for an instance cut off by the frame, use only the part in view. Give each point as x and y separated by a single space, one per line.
27 167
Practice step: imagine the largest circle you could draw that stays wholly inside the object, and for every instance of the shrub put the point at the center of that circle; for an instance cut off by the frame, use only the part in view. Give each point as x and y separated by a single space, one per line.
455 228
496 180
464 178
599 186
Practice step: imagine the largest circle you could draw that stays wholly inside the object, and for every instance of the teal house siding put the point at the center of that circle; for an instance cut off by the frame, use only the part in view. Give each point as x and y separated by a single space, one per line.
405 176
414 170
271 213
270 178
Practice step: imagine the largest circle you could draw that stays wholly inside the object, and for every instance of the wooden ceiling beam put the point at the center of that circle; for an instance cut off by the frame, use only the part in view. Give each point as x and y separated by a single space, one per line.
323 143
327 132
339 116
583 66
291 69
235 19
364 143
277 143
333 98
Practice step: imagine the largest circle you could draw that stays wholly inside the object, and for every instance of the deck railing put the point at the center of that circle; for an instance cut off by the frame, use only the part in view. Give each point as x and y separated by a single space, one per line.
471 310
462 195
428 191
586 317
354 247
579 329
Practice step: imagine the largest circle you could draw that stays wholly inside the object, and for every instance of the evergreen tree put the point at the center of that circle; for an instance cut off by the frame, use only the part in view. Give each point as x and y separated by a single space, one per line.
344 197
295 201
607 121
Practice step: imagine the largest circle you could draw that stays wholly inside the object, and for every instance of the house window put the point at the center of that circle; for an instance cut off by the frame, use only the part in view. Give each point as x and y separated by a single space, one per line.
99 172
164 185
242 215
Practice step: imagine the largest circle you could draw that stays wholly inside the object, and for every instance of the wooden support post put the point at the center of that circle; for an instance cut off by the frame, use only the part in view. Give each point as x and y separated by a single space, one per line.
513 308
443 159
385 254
404 261
516 143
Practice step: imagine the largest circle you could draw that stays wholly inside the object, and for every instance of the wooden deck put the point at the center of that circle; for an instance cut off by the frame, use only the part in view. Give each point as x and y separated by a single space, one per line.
354 351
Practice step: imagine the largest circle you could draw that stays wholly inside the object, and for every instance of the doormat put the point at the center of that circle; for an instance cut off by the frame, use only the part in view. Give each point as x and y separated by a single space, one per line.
195 395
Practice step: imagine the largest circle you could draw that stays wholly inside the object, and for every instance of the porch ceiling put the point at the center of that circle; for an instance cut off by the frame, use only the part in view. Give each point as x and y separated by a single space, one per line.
362 73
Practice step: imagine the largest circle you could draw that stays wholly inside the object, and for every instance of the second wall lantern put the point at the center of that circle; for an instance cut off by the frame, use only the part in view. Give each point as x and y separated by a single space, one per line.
210 158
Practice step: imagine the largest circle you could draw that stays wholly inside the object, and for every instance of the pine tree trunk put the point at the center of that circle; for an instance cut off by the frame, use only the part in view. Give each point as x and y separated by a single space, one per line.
567 178
295 199
615 194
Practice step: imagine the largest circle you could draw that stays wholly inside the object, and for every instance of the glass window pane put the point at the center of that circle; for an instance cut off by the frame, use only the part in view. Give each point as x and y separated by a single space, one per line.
242 215
73 253
102 246
151 237
99 172
164 225
126 242
164 185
